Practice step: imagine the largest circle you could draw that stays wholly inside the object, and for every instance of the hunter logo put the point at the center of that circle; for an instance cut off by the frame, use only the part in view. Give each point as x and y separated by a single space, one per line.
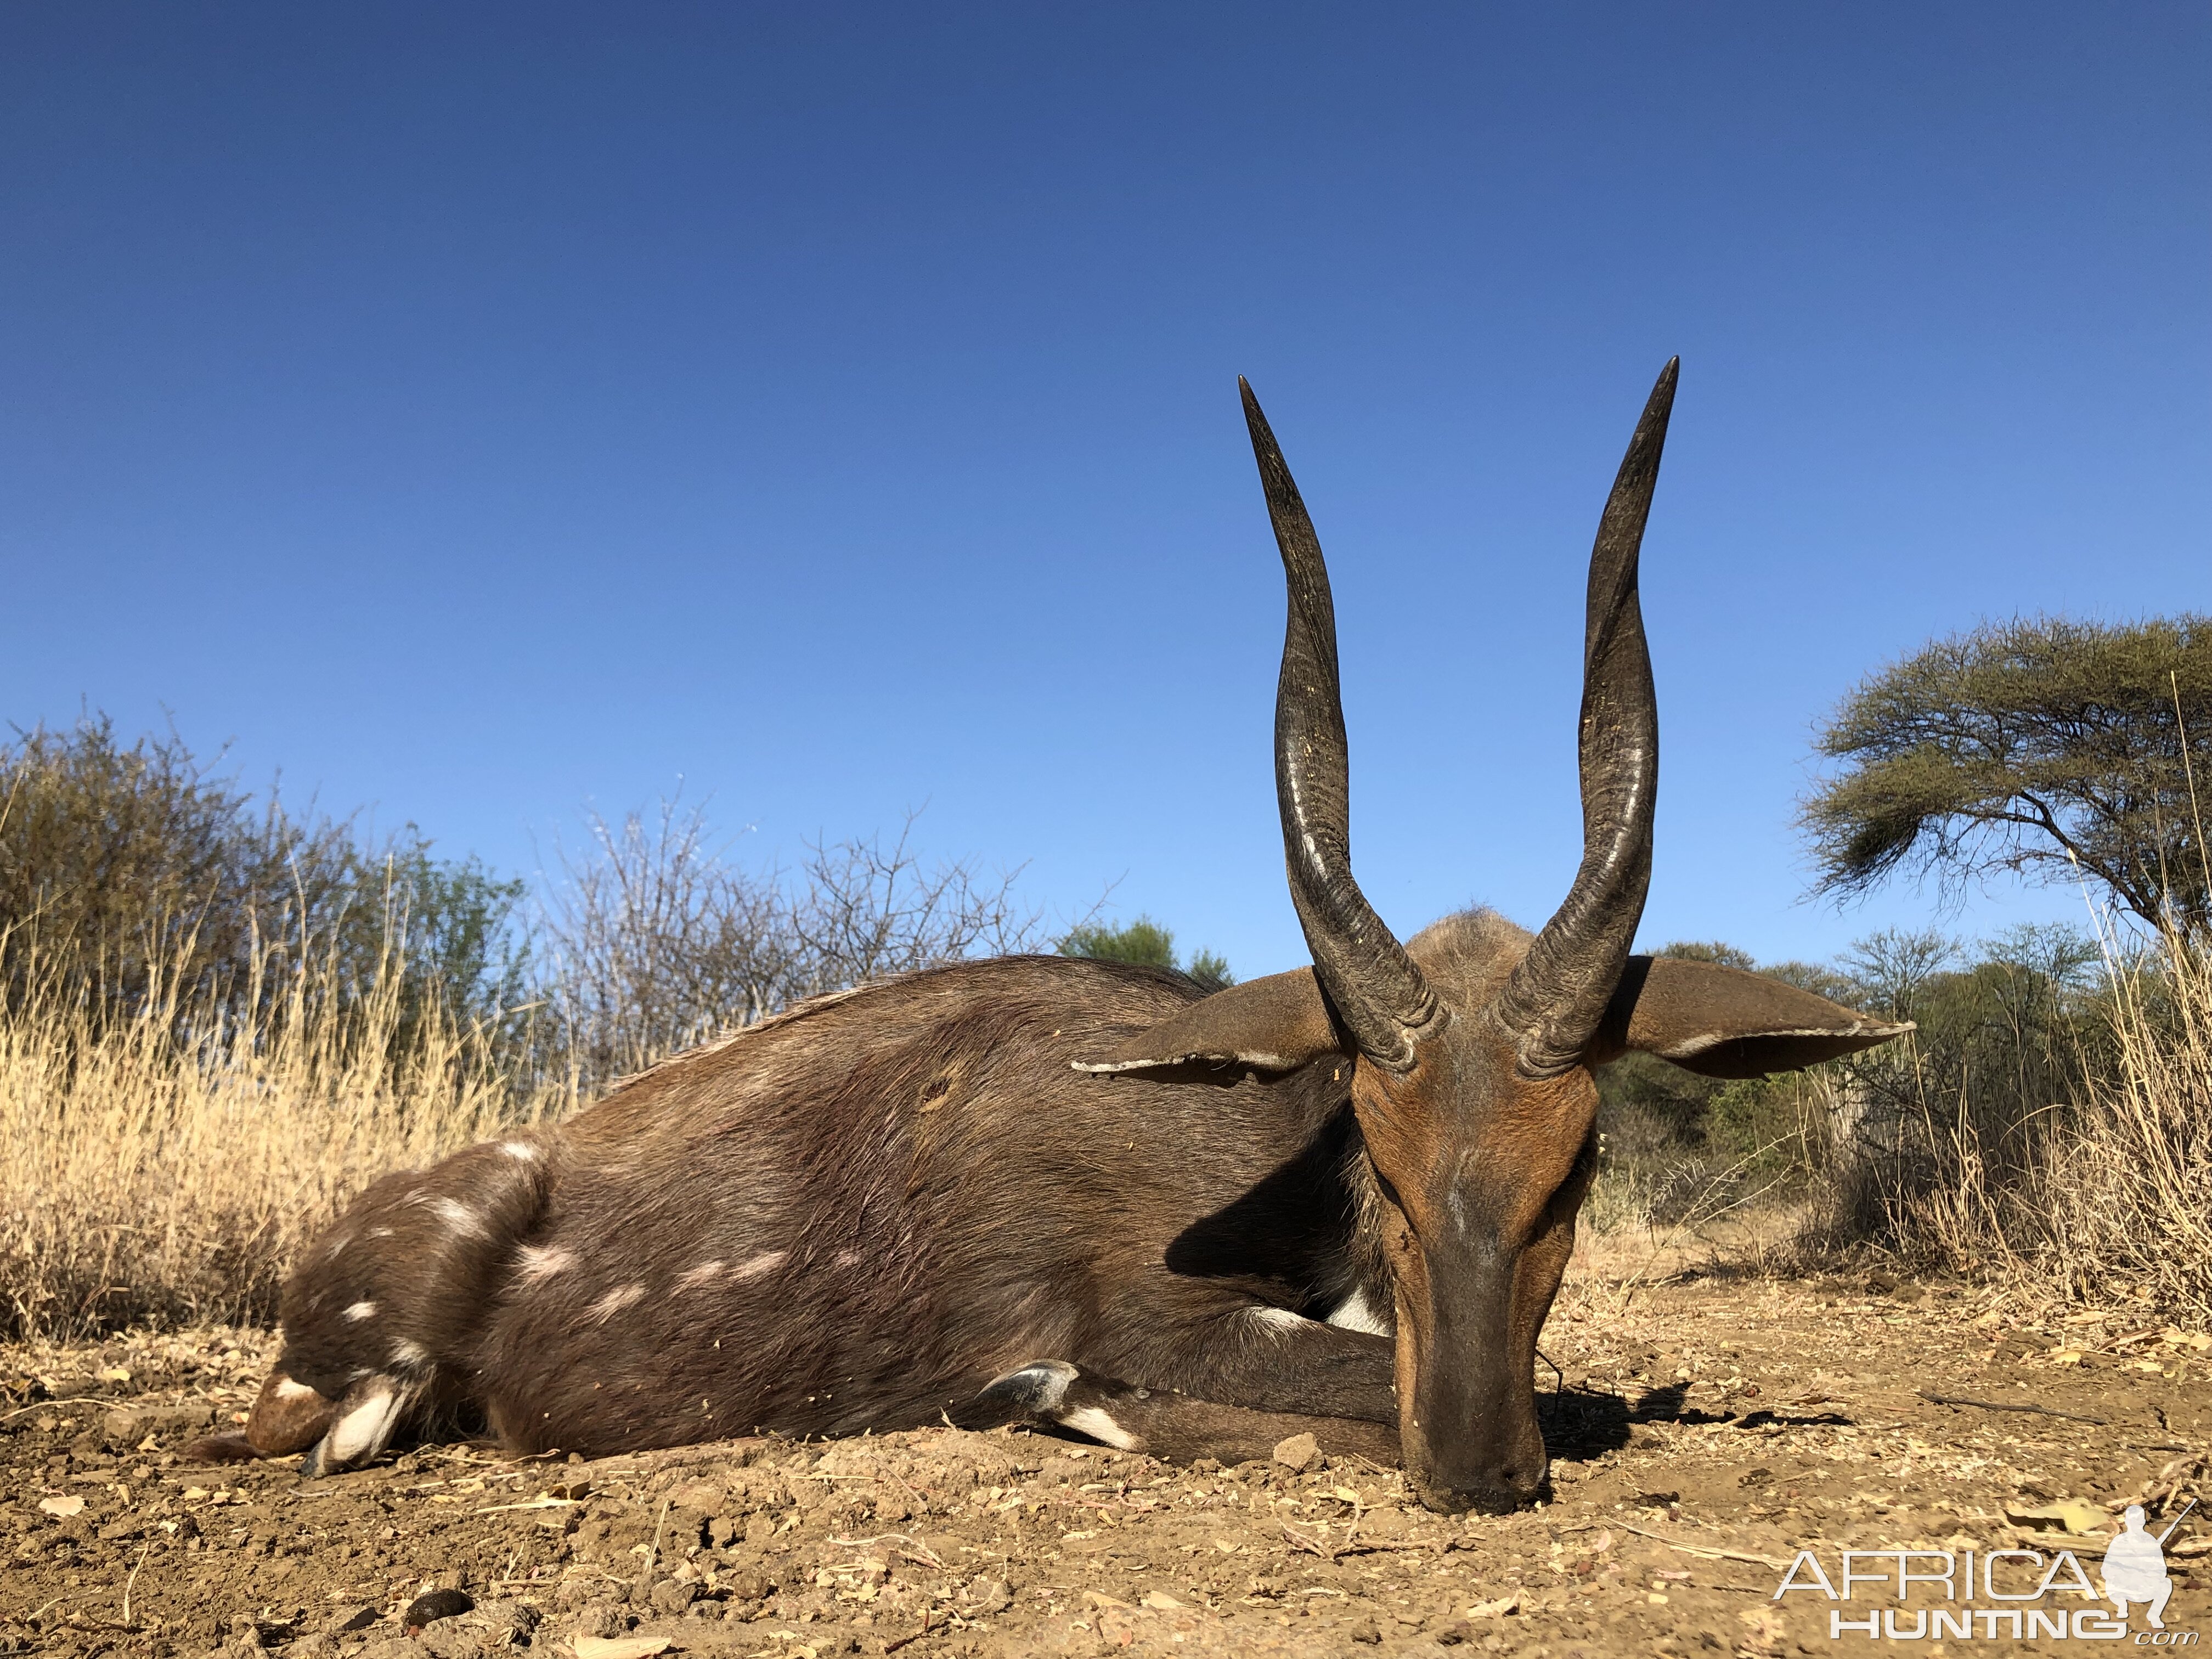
1998 1595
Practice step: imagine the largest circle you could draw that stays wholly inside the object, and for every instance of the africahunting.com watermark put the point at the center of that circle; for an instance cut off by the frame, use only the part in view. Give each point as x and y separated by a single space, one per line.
1999 1594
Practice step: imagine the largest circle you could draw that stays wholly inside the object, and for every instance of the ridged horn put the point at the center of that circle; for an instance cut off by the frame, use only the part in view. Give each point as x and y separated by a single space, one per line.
1378 993
1558 994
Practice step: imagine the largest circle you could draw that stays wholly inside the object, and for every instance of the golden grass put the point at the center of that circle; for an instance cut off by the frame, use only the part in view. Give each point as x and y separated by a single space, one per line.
2104 1198
2126 1185
148 1178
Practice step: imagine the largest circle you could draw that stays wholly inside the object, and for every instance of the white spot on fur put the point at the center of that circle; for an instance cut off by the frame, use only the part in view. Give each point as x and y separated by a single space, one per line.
288 1389
337 1242
362 1432
539 1261
521 1150
1280 1319
767 1262
848 1258
1356 1315
361 1310
703 1274
410 1356
1090 1420
614 1301
379 1233
458 1215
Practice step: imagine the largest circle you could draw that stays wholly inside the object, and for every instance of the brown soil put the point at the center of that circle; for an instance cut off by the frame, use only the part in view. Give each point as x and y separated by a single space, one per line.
1709 1428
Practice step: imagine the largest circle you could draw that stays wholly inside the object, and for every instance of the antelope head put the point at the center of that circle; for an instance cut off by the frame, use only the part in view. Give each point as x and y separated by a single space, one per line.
1472 1049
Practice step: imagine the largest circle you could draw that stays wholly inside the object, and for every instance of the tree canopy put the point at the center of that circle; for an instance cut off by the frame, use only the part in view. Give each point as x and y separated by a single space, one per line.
2036 747
1146 942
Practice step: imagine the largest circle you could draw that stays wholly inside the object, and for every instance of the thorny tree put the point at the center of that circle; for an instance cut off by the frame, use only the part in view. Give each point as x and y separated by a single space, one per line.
2038 747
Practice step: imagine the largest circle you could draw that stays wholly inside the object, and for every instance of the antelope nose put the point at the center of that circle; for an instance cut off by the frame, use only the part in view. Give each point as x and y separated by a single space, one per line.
1507 1486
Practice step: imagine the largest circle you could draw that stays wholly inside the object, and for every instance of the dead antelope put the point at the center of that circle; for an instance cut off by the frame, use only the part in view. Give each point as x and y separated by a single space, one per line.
1074 1192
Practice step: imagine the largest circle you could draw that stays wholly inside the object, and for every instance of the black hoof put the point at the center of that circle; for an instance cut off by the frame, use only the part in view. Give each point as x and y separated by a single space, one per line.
1030 1395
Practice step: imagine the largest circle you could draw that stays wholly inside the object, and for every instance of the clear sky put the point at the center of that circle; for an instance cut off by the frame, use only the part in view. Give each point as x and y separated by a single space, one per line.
480 411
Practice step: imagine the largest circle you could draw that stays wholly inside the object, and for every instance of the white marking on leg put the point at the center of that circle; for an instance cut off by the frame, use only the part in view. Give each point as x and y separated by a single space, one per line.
288 1389
1355 1314
521 1150
459 1217
766 1262
359 1311
692 1278
1090 1420
540 1261
1281 1320
362 1432
614 1302
410 1356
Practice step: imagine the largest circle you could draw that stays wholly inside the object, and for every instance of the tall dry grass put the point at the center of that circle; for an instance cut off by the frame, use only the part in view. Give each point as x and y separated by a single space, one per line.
2125 1179
2085 1177
162 1168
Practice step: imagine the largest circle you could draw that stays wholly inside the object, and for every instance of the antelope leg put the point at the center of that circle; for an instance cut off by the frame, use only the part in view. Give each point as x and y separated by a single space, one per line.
1175 1426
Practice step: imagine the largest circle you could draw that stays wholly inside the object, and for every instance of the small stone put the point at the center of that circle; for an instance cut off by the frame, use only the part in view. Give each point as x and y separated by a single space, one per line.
748 1584
1300 1452
672 1596
600 1622
425 1610
348 1620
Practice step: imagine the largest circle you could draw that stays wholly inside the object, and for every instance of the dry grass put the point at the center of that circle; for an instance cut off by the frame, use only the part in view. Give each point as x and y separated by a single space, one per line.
2127 1180
149 1176
153 1174
2104 1197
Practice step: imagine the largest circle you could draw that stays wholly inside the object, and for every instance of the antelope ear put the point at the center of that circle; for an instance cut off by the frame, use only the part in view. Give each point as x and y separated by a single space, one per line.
1723 1022
1273 1024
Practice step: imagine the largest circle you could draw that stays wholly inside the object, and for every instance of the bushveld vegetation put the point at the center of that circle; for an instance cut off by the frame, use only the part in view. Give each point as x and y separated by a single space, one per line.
220 1016
2050 1120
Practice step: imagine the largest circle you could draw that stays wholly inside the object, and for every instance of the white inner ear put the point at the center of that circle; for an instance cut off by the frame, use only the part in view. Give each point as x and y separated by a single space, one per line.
1705 1040
1265 1062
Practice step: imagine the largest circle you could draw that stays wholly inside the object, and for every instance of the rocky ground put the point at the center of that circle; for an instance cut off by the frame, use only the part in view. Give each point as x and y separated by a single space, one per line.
1704 1431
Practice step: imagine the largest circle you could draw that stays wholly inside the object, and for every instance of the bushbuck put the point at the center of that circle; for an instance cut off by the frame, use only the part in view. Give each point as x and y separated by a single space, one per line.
1080 1194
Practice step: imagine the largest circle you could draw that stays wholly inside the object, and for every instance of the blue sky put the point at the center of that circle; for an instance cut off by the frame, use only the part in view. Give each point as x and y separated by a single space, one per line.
479 412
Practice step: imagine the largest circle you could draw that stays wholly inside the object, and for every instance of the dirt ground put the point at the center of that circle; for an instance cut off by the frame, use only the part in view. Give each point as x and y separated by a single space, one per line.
1704 1431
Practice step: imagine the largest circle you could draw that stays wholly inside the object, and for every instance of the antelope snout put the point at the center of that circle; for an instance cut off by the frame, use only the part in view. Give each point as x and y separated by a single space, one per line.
1495 1485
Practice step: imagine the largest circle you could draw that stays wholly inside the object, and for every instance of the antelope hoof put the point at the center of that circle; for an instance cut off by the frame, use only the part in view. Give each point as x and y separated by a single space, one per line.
1030 1395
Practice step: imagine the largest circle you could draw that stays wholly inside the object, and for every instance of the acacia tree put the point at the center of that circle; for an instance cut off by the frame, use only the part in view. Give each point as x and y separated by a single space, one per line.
2036 747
